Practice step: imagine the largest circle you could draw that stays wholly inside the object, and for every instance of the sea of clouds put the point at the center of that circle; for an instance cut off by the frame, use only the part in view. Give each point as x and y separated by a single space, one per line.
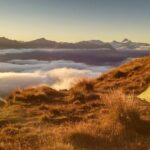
60 74
20 51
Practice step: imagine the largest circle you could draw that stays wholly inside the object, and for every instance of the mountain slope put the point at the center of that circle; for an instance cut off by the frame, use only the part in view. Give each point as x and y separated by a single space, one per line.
131 77
39 43
7 43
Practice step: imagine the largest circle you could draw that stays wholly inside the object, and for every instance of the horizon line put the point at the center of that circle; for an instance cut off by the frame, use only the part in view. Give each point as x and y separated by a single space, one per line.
92 39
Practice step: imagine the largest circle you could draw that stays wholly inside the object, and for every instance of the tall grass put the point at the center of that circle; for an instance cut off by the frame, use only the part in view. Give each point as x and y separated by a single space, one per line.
116 128
122 106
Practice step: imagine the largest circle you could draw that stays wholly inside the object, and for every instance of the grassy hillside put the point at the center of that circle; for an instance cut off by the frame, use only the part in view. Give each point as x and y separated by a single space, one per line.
98 114
133 77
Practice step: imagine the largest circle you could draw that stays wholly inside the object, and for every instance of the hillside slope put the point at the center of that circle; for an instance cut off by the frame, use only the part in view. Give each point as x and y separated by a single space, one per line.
133 77
99 114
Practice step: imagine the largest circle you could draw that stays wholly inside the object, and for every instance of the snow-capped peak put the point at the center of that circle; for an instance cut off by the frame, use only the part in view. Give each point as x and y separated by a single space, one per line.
126 41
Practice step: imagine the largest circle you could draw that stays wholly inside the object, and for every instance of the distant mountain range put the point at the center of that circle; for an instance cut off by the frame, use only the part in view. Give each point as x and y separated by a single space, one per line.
44 43
126 44
129 45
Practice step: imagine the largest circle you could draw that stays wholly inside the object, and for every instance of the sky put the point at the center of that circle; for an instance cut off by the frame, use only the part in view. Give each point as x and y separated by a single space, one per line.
75 20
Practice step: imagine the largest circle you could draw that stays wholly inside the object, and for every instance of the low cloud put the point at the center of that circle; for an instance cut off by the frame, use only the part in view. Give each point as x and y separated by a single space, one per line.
36 65
58 74
14 51
61 78
18 51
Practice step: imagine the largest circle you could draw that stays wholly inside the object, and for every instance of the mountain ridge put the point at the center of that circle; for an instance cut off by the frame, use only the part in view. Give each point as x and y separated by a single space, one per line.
126 44
6 43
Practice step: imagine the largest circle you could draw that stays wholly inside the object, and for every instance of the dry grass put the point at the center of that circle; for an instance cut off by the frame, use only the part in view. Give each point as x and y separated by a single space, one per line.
83 91
123 114
41 94
133 77
117 125
123 107
89 116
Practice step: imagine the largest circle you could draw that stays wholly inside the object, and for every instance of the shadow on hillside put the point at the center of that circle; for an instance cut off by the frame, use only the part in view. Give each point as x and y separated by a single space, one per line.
87 141
143 128
119 136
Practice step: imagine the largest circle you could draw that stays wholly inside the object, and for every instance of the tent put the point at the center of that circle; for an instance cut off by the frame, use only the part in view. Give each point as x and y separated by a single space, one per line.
145 95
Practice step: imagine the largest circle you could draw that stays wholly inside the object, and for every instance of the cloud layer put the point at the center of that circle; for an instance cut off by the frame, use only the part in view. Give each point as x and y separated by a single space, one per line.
58 74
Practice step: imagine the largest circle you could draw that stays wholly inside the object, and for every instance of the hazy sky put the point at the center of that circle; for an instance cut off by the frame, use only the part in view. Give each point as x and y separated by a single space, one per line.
75 20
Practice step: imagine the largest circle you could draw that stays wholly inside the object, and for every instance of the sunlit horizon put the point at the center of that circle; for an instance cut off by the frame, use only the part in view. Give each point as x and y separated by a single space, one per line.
71 41
73 21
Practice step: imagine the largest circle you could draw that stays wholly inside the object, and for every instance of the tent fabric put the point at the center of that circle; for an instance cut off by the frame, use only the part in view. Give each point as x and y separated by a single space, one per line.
145 95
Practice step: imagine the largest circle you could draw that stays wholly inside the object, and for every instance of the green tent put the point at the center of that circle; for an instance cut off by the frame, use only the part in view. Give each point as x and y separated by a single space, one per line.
145 95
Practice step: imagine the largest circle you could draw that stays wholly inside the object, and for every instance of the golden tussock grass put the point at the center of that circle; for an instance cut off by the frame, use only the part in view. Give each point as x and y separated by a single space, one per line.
83 91
118 125
99 114
35 95
131 77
